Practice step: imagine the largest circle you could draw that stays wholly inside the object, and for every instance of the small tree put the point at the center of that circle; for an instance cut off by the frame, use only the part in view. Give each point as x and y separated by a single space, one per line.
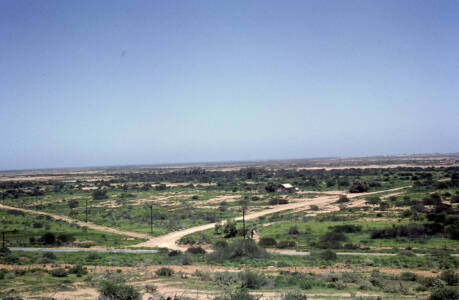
230 230
73 204
99 194
359 186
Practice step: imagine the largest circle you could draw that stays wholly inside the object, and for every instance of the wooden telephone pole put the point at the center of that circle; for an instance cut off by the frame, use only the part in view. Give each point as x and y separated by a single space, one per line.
151 219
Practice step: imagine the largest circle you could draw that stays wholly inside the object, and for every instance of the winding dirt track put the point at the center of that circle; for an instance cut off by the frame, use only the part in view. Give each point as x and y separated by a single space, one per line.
81 223
325 204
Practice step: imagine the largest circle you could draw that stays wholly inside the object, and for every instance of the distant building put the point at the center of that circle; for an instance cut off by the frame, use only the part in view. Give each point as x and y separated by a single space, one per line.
286 188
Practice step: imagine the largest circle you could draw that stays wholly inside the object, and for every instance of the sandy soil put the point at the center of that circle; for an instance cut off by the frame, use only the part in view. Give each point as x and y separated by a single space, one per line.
176 287
211 269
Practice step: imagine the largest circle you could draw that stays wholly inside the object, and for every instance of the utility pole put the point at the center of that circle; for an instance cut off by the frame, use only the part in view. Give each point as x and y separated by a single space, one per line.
243 220
151 219
3 235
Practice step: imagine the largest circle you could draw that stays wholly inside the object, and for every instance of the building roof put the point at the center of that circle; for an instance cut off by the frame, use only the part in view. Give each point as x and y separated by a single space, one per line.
287 186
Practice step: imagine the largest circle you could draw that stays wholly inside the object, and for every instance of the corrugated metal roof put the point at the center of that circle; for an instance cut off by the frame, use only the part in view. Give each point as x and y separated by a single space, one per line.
287 186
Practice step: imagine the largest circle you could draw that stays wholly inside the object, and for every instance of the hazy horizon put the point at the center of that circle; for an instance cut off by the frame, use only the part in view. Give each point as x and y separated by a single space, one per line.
110 83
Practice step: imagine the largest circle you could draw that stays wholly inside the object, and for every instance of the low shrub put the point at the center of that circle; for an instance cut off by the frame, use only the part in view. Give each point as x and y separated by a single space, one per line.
205 276
220 244
65 238
286 244
450 277
431 282
48 238
79 270
240 294
348 228
326 255
3 272
293 230
267 242
164 271
187 260
446 293
314 207
60 272
49 255
343 199
174 253
196 250
240 249
251 280
338 285
307 284
351 277
117 291
408 276
276 201
225 278
150 288
294 296
330 277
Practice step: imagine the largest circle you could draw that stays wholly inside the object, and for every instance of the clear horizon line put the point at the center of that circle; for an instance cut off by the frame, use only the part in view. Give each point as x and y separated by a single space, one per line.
226 161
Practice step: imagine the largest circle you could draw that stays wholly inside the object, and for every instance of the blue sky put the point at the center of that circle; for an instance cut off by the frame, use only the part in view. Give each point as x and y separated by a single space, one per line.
87 83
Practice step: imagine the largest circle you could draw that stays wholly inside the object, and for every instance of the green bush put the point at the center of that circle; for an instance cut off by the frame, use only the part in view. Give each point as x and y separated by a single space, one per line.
240 294
118 291
48 238
293 230
225 278
79 270
204 276
229 229
359 187
99 194
220 244
447 293
164 271
174 253
65 238
267 242
450 277
187 259
307 284
408 276
240 249
314 207
49 255
431 282
294 296
343 199
150 288
3 272
276 201
351 277
286 244
326 254
196 250
251 280
60 272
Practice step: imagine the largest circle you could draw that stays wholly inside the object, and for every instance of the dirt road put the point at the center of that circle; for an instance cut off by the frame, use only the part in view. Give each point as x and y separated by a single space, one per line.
81 223
325 204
